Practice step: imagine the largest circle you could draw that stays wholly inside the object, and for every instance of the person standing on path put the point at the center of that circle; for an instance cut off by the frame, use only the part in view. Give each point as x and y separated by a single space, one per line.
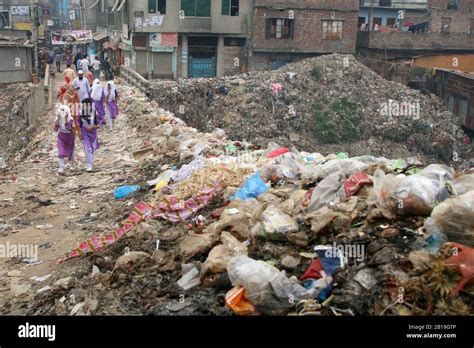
85 64
89 123
65 140
112 107
59 59
71 99
82 86
68 72
98 98
96 68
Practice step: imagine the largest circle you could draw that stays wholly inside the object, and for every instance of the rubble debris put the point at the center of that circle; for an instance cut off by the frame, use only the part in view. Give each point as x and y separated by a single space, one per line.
348 253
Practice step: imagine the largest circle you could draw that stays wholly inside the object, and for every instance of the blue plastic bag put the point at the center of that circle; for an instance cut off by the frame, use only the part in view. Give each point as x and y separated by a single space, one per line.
124 191
252 187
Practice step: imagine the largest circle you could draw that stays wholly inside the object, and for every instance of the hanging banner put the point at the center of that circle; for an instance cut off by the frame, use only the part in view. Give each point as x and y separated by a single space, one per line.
20 10
71 37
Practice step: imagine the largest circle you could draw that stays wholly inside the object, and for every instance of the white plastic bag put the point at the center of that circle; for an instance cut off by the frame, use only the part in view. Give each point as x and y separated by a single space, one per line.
269 290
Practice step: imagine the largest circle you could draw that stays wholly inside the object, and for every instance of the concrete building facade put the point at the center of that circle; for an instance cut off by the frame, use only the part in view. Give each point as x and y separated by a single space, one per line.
188 38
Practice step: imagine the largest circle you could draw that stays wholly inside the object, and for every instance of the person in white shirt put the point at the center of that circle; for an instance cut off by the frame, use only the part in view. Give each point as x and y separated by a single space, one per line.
85 65
81 85
96 67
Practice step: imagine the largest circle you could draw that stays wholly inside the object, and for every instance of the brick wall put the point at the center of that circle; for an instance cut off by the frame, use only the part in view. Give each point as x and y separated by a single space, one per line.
460 20
464 5
230 55
307 31
409 41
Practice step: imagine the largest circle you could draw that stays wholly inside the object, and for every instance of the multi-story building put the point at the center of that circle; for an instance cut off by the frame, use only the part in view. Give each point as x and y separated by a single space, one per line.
444 27
390 14
188 38
285 31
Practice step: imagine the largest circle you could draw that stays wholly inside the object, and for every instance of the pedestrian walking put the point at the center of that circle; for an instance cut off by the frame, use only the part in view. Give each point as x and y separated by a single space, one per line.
82 86
65 137
112 106
89 123
96 68
98 98
59 59
85 65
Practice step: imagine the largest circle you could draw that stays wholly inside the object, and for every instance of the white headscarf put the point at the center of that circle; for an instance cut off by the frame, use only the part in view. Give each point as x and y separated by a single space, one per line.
97 89
112 90
63 116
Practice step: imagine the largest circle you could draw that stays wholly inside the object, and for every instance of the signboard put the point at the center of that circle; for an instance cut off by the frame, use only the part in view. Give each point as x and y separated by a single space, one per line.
71 37
125 31
149 21
110 32
184 55
169 49
23 26
155 39
163 39
20 10
169 39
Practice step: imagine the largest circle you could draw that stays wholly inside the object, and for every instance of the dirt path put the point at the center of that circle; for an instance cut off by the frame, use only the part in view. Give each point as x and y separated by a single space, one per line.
53 212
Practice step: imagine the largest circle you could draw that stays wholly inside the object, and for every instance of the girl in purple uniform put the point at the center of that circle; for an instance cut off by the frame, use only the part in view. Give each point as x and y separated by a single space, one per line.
64 127
98 97
89 122
112 106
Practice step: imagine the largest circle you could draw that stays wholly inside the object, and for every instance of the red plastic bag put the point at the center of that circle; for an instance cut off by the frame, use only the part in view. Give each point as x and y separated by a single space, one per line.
354 183
314 270
463 261
278 152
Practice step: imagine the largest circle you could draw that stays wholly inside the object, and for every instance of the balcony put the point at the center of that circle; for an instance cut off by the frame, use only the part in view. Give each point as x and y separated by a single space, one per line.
197 24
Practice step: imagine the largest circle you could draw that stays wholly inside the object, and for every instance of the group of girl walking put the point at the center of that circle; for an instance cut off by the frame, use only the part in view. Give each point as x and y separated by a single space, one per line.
84 109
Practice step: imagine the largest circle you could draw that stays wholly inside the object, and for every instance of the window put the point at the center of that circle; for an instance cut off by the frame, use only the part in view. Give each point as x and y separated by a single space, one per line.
234 41
360 21
5 19
445 24
155 6
391 22
332 30
376 21
279 28
453 4
472 26
230 7
196 8
385 3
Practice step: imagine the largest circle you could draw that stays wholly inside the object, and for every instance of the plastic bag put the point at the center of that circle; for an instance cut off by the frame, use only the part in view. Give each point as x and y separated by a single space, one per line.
418 194
220 255
236 300
346 166
278 152
269 290
463 184
285 166
276 224
454 217
326 191
124 191
252 188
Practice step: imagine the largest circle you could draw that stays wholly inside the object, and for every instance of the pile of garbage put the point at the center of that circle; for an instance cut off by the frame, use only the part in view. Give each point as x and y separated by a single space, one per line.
327 104
221 227
15 133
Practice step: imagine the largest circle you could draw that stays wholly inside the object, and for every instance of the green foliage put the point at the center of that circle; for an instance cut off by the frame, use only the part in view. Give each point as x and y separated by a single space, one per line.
316 71
340 121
